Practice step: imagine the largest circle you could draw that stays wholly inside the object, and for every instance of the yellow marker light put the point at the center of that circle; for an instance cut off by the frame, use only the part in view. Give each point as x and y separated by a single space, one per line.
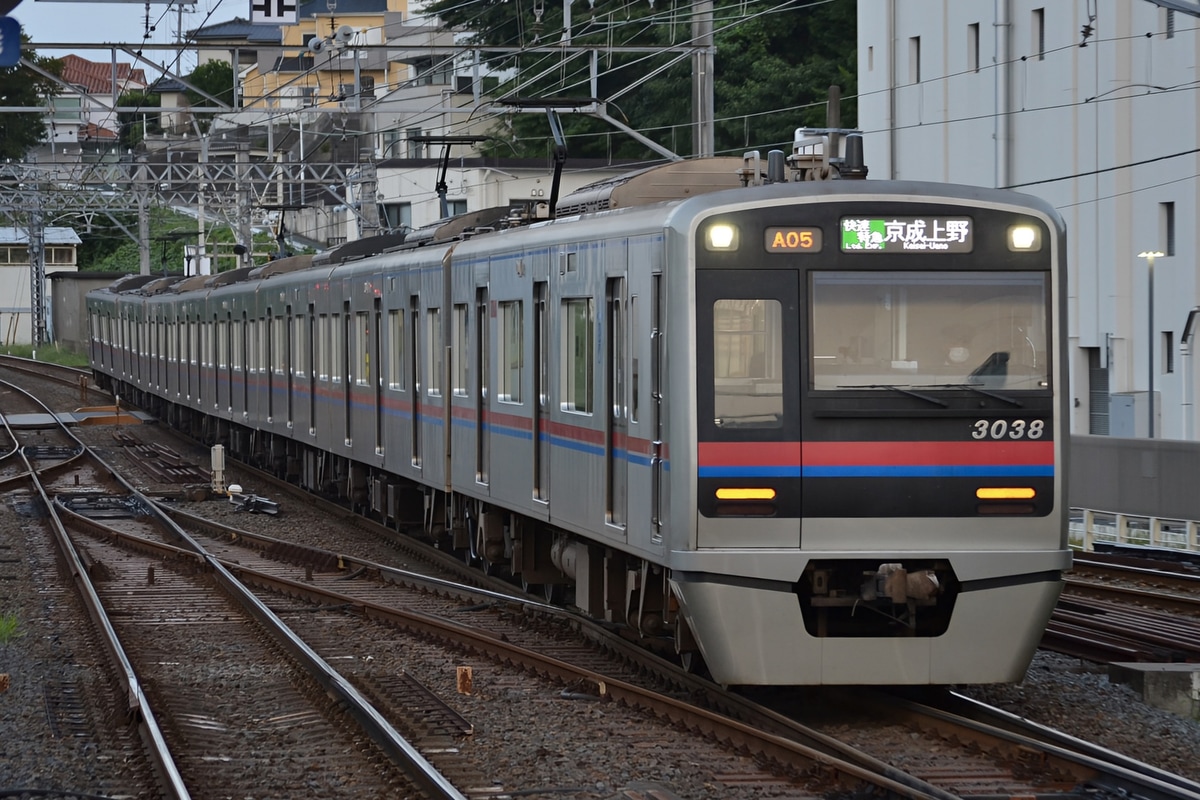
1024 237
745 494
1005 493
721 236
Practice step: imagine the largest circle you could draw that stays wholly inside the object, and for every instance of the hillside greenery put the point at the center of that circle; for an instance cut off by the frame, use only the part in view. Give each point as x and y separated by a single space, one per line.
774 64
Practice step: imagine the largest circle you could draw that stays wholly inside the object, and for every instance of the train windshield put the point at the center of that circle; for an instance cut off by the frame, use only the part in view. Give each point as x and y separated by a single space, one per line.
883 330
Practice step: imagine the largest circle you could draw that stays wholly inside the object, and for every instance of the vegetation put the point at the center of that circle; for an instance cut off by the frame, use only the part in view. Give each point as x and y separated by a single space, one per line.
774 64
21 86
136 125
107 248
51 354
10 628
215 78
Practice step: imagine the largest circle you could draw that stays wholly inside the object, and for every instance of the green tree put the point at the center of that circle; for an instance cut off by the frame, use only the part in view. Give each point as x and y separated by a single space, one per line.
21 86
136 125
214 78
774 64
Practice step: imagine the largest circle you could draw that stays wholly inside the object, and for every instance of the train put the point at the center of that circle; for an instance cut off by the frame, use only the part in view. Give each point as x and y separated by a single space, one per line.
805 427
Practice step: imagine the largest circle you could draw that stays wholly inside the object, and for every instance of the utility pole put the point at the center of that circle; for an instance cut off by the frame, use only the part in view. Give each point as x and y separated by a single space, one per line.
703 135
37 284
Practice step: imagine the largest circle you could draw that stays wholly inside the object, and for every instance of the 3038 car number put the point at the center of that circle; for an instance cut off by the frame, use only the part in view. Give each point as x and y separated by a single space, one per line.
1008 429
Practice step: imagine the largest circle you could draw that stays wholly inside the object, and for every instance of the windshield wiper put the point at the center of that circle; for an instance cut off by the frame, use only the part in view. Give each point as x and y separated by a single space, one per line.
975 387
900 389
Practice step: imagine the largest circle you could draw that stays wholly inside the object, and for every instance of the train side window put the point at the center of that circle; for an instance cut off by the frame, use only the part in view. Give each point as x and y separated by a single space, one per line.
748 363
575 376
396 351
512 355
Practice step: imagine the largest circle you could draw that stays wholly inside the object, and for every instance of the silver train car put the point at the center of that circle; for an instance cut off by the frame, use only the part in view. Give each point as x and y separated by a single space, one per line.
812 431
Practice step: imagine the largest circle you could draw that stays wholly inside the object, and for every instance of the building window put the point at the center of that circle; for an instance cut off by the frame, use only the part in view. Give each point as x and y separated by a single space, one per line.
1169 25
1166 224
973 47
398 216
914 59
456 207
415 149
1168 351
1039 33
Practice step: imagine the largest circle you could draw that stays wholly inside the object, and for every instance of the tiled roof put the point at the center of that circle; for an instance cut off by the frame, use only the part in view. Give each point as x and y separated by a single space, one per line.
97 77
94 133
49 236
238 29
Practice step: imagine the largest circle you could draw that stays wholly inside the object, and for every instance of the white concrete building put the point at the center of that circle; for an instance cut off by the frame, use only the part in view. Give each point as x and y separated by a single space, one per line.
1092 105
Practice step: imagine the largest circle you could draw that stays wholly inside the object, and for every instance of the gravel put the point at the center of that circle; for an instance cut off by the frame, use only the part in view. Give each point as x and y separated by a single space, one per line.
50 657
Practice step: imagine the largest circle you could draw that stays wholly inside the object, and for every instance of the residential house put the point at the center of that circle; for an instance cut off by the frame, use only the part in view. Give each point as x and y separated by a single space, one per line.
82 126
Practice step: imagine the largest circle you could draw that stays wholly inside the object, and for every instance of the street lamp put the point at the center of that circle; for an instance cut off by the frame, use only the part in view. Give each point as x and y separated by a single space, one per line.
1150 255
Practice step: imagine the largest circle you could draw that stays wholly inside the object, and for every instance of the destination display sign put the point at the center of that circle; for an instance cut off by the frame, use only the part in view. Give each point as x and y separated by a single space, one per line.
907 234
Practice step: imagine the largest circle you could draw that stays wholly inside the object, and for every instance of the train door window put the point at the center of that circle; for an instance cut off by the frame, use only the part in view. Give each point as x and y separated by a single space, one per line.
323 347
335 348
541 396
633 371
577 362
396 349
414 344
239 342
511 357
349 363
362 349
483 354
459 350
299 351
748 362
210 343
434 378
376 345
278 342
310 350
252 353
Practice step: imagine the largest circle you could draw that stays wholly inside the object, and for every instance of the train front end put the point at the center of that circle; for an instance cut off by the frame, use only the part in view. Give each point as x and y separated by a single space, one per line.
871 452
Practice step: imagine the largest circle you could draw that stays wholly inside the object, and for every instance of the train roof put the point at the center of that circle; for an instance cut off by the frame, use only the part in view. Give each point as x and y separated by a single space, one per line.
281 265
676 180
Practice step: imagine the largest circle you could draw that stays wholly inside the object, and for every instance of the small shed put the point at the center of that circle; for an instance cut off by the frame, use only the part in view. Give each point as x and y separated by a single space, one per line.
16 273
68 305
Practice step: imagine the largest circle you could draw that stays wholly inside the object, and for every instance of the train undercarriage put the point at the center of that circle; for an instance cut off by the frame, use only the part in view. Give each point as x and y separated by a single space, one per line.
605 583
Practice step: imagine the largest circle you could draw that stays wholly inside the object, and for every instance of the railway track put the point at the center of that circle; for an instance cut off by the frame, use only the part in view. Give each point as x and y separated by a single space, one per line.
338 618
1112 610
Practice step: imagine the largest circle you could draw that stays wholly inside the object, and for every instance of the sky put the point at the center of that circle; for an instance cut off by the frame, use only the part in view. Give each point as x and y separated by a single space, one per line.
92 21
